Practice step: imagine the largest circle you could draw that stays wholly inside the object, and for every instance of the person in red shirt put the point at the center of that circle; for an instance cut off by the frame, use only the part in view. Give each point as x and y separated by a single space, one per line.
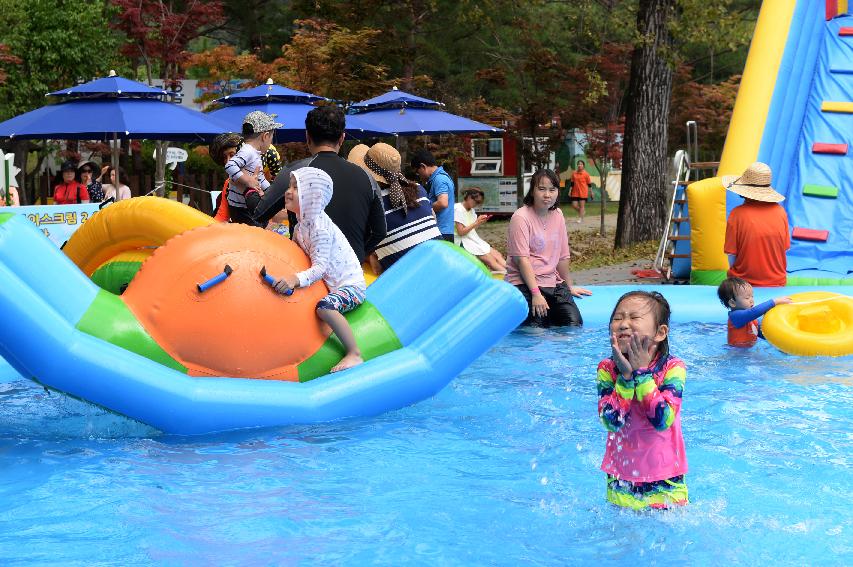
580 189
757 235
70 191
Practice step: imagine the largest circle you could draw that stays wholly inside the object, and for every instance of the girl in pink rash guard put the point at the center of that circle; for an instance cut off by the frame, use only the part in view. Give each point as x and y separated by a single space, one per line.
639 403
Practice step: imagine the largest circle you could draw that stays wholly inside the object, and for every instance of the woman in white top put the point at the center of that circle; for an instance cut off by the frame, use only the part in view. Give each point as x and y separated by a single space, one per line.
110 187
466 221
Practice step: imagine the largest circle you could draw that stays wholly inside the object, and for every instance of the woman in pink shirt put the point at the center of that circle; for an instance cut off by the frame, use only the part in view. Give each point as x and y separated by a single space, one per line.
538 256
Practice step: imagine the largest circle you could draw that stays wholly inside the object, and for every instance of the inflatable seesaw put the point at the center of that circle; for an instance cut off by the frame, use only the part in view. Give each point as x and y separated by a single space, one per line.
191 349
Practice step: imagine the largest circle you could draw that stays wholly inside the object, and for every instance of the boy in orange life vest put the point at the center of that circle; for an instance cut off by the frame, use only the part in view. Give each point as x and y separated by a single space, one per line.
736 295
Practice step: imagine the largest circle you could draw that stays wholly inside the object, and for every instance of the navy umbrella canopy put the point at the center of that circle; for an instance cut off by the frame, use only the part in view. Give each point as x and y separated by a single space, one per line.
396 98
269 92
112 108
403 114
110 86
290 107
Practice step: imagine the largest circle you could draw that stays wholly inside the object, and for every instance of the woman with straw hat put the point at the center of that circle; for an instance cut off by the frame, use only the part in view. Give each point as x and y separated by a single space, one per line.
408 211
757 235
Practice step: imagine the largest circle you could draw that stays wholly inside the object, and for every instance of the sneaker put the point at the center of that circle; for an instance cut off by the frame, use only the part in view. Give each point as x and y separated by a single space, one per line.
580 221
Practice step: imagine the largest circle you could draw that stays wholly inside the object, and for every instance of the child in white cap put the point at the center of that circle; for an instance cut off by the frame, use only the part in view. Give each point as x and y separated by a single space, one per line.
245 169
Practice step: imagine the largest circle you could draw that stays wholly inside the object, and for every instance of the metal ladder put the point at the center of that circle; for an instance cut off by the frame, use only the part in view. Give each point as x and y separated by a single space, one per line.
675 229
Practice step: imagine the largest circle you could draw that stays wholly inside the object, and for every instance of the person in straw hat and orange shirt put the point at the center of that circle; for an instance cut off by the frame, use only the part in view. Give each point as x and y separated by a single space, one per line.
757 235
408 210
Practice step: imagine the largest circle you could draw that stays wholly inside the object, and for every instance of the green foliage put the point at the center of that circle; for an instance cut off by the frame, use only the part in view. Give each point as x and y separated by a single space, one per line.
58 42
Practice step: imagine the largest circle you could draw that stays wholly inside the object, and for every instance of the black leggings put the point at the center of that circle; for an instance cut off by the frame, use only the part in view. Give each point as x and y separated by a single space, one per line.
562 310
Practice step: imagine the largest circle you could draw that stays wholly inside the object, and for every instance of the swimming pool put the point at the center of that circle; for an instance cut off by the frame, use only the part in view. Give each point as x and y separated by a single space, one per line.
500 468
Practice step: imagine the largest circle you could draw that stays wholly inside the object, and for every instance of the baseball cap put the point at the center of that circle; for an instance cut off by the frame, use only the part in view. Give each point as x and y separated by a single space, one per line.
257 121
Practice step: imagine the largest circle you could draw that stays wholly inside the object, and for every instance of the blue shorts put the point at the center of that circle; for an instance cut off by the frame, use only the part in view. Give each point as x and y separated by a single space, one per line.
342 300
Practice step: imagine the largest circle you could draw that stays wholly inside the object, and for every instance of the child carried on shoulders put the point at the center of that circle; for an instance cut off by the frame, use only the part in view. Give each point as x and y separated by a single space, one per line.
245 169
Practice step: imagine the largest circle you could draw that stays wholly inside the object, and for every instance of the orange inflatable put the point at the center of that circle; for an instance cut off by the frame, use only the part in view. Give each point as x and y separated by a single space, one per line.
239 327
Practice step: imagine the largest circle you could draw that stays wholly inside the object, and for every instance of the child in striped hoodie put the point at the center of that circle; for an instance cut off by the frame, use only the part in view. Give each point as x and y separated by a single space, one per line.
332 258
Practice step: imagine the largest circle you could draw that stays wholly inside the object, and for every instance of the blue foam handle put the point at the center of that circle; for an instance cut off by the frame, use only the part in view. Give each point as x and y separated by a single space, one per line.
271 280
219 278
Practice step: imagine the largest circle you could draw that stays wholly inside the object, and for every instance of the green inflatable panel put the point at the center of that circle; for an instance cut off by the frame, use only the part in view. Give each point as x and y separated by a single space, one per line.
470 257
109 319
114 275
372 334
707 277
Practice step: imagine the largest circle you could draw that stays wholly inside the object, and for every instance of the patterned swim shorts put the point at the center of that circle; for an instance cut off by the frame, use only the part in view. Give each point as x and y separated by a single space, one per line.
639 495
342 300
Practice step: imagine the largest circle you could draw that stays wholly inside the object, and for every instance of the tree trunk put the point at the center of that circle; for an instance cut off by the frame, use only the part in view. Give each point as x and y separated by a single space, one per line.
642 206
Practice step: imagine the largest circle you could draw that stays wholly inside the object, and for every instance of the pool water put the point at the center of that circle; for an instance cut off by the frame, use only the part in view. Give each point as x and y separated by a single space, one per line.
500 468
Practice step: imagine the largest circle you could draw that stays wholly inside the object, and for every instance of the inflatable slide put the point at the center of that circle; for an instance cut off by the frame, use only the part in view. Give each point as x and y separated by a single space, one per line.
794 112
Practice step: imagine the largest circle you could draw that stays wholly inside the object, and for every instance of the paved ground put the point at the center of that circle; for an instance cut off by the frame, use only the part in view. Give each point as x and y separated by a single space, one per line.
615 275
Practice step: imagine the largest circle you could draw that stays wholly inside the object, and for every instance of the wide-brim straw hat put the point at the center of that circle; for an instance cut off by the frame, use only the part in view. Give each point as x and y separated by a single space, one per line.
754 183
384 155
356 156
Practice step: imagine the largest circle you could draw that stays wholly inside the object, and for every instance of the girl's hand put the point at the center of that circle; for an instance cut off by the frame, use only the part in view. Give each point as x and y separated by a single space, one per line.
538 306
483 218
579 291
641 351
782 300
621 362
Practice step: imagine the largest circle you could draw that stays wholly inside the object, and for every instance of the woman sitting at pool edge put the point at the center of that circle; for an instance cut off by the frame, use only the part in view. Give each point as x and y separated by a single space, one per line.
538 256
466 222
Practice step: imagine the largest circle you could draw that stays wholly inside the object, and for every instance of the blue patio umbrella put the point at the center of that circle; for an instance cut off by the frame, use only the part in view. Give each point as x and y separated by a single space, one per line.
403 114
269 92
290 107
396 98
110 86
112 108
111 118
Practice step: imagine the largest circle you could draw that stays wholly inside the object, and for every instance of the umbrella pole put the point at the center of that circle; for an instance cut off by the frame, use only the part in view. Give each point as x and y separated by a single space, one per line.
160 168
114 161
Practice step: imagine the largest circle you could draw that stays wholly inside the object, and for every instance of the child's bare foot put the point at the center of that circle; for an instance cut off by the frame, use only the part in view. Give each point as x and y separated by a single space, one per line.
348 361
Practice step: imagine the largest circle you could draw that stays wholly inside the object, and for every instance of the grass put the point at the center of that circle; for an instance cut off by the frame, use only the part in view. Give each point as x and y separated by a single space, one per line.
589 248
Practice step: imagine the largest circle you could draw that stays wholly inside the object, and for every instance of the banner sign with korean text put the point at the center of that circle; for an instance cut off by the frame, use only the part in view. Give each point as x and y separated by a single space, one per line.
57 222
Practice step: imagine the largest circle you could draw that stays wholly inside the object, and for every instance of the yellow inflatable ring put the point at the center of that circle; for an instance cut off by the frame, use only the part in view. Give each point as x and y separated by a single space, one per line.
817 323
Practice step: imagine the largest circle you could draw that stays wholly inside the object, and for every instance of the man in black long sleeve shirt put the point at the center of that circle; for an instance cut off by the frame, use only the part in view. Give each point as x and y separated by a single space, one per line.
356 205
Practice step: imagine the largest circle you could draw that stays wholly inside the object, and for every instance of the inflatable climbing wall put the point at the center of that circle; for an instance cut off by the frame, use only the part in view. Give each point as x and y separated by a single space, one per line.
794 111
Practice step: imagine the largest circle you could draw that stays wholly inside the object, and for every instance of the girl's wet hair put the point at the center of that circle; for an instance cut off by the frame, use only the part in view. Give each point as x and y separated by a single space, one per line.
660 308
